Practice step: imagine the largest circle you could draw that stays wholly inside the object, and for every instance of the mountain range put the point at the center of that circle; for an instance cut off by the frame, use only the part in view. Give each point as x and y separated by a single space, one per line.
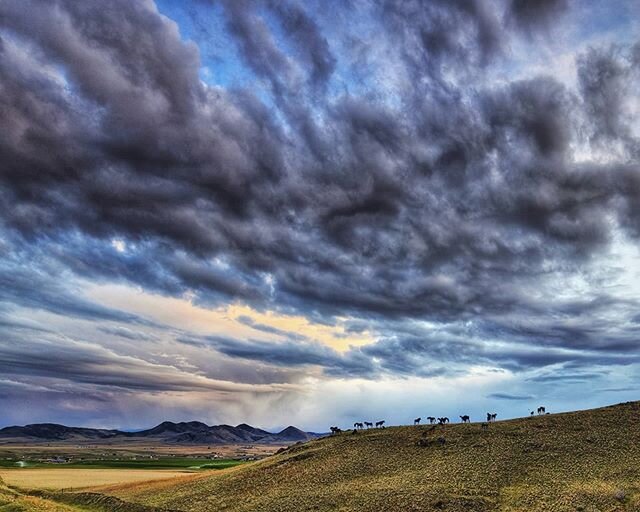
192 432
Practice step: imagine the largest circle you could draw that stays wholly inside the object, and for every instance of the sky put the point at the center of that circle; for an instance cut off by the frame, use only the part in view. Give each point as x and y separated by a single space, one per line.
314 213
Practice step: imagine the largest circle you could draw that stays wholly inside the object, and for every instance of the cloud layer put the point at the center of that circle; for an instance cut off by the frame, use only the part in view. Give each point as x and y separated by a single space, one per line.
414 175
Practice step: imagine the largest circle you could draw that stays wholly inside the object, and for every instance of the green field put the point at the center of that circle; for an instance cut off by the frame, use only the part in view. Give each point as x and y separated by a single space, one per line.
157 463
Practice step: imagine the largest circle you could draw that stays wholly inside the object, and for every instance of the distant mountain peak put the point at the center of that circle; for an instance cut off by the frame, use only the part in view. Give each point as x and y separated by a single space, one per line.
248 428
167 432
290 428
292 433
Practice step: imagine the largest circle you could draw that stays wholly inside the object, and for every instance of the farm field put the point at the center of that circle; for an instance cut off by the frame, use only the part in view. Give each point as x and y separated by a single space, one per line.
69 478
184 463
18 450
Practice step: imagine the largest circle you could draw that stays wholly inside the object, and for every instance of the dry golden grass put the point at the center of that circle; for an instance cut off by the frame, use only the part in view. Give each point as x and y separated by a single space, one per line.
65 478
584 461
14 501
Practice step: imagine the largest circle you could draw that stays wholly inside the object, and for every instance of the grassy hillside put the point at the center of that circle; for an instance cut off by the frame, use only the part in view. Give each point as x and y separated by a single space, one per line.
14 501
581 461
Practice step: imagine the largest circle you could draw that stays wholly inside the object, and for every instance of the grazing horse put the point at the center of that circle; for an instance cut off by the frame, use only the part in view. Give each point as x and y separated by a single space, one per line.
417 421
541 410
465 418
335 430
443 420
491 417
368 424
380 423
358 425
431 419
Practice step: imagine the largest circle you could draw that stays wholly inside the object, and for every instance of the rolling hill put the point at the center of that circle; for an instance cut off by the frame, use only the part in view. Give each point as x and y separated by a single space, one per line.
579 461
192 432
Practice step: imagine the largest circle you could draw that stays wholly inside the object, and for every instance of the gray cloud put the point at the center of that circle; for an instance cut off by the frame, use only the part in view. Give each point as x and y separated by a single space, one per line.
389 179
87 363
508 396
567 377
530 14
617 390
290 353
246 320
45 289
203 172
124 332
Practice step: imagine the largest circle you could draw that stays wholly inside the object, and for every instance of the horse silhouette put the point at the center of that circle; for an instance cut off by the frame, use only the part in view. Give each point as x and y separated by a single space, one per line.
368 424
465 419
417 421
443 420
541 410
335 430
380 423
491 417
431 419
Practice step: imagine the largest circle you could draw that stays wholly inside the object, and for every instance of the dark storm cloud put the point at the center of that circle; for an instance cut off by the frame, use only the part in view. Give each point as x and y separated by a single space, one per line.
604 82
309 43
258 45
530 14
435 193
444 33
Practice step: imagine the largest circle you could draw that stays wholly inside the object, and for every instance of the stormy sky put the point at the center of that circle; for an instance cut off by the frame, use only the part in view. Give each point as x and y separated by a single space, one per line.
286 212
